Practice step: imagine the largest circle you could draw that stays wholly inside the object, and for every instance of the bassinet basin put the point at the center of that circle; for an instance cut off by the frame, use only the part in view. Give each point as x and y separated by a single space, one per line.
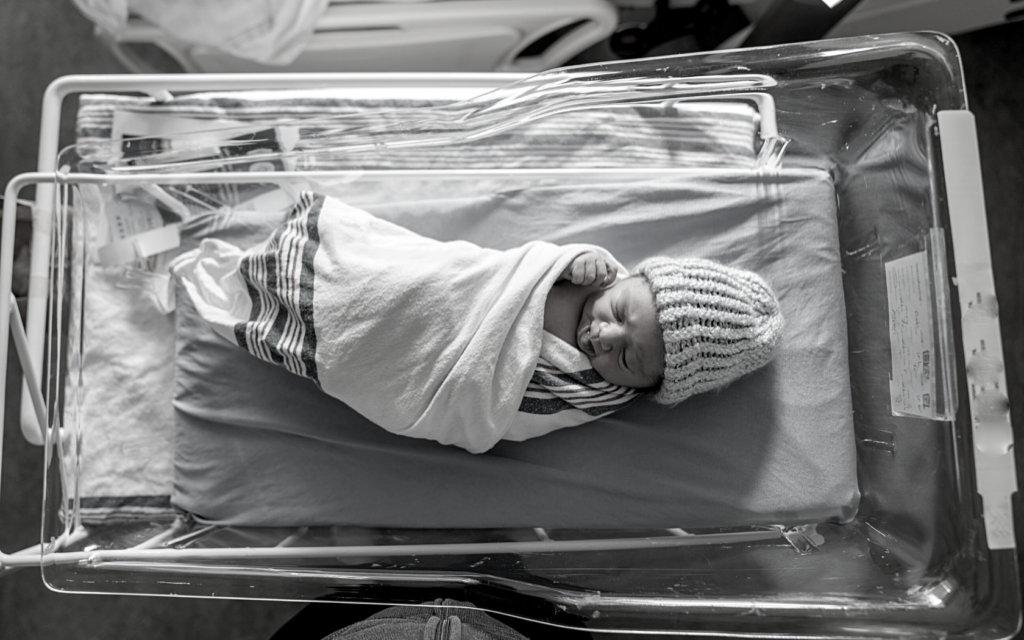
877 503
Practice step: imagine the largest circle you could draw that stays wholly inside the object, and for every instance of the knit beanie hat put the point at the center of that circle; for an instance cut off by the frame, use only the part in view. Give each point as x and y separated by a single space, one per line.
718 323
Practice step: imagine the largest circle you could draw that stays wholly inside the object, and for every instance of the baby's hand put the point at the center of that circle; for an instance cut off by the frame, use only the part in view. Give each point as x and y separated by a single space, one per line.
588 269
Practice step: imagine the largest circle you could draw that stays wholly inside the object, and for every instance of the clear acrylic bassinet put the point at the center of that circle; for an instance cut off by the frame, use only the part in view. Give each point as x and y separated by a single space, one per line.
928 545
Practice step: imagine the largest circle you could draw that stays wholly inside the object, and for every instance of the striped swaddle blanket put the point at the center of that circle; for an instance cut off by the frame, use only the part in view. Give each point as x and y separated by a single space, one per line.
565 391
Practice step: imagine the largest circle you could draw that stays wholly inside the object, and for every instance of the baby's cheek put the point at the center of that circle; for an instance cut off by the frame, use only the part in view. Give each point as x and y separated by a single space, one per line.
600 366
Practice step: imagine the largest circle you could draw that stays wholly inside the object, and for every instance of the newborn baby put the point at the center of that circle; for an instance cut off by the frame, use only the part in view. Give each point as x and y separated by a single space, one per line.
676 328
468 345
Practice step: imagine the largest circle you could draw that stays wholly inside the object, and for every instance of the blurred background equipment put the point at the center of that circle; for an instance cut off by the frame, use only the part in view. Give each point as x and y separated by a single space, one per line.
454 35
197 36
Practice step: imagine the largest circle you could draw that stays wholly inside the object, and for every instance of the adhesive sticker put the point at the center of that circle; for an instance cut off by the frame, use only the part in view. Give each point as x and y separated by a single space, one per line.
912 381
128 217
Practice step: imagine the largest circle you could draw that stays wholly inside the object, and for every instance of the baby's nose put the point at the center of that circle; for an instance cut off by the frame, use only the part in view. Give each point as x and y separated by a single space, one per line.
609 336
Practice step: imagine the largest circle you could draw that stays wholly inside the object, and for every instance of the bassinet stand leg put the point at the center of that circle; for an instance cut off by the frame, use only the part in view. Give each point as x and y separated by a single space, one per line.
10 320
27 368
31 391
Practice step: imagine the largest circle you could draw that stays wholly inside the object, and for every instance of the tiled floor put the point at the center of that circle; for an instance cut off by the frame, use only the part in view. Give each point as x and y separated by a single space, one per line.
44 39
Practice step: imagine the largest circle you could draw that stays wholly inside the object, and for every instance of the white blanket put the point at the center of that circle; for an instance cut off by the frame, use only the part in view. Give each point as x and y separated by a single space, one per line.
428 339
273 32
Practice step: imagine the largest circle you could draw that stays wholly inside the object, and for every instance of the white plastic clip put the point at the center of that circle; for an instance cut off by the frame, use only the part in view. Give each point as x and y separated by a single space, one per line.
141 246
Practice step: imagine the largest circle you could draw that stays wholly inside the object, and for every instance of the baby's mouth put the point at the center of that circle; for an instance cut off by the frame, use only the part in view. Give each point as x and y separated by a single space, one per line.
585 345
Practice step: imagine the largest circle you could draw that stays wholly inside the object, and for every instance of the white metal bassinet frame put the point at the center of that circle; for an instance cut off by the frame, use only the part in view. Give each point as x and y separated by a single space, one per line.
30 341
994 464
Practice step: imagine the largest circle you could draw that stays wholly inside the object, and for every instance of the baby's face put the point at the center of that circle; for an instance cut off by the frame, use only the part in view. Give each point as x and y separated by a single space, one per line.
620 333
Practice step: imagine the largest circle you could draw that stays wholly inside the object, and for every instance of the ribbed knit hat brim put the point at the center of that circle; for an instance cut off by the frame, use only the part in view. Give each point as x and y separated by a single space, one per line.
718 323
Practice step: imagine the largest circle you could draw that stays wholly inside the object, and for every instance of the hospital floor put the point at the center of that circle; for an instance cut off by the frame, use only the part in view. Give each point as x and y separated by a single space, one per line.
44 39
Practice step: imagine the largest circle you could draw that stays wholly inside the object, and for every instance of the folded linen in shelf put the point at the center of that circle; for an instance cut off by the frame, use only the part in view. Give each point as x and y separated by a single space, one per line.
684 134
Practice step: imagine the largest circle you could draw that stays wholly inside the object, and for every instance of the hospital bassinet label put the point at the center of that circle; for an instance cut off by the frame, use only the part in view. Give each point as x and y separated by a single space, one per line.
912 381
128 217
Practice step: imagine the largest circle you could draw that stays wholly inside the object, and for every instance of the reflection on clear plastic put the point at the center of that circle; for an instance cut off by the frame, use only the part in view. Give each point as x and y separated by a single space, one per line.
154 283
879 440
983 310
557 92
994 435
772 151
984 369
992 406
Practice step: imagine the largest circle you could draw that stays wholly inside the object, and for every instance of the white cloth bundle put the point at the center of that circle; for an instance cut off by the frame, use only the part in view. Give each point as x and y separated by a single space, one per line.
428 339
273 32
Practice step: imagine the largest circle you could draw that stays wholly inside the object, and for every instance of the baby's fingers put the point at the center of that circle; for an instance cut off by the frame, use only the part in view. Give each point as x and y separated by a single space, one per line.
589 271
606 273
610 275
578 271
600 272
